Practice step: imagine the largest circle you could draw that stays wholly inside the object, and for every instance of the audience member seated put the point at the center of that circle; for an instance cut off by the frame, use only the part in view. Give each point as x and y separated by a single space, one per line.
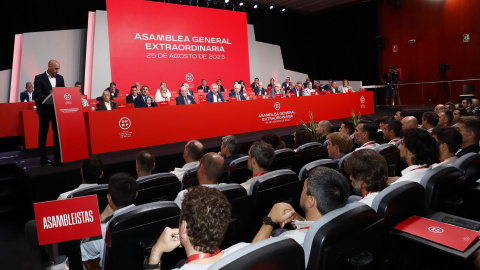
301 137
214 95
345 88
274 140
449 106
334 88
307 80
324 128
391 130
429 121
189 92
144 165
220 86
79 85
209 172
438 108
242 86
339 144
323 191
457 113
445 118
113 90
297 90
84 101
365 135
272 83
348 128
409 122
162 94
184 98
467 104
286 84
308 91
316 85
237 93
27 95
133 95
122 191
368 171
259 90
91 172
192 154
230 149
292 86
475 108
276 90
418 150
204 220
106 104
255 83
260 156
449 141
399 115
145 99
204 86
469 127
328 86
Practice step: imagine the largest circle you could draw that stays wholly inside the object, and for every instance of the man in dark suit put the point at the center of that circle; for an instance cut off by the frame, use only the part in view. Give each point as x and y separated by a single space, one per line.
255 83
298 89
184 98
113 90
204 86
214 95
79 85
106 104
328 87
133 95
220 86
27 95
43 85
236 93
145 100
259 90
286 84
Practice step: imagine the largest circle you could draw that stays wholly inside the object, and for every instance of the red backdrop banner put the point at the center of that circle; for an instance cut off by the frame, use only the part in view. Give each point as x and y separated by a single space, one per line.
69 219
152 42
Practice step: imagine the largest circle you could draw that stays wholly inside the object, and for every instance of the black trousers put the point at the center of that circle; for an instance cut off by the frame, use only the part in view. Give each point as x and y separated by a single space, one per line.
45 116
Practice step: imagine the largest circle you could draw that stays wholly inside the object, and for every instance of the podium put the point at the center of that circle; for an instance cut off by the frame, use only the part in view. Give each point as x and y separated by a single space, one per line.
72 134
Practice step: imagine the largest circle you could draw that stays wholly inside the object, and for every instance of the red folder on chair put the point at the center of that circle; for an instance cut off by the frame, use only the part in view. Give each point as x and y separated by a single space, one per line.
439 232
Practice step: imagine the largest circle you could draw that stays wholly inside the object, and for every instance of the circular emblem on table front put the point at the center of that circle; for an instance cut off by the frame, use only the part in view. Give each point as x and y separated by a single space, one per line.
362 99
434 229
189 77
67 96
124 123
277 106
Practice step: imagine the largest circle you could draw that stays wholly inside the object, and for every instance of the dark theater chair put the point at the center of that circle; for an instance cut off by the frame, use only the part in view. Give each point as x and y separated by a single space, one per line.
305 170
238 171
157 187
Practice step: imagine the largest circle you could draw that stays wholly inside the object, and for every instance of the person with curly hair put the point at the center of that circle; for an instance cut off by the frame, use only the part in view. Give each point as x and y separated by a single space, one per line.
419 150
204 220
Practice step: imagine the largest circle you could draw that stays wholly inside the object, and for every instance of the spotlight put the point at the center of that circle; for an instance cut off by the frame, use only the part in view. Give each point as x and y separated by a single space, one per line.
255 6
283 10
271 7
226 1
241 4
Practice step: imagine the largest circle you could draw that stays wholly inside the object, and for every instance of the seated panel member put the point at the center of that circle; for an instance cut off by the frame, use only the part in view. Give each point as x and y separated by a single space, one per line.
214 95
133 94
276 90
298 91
286 84
84 101
236 93
204 86
184 98
190 92
113 90
333 88
163 95
145 99
220 86
344 88
259 90
308 91
106 104
339 144
27 95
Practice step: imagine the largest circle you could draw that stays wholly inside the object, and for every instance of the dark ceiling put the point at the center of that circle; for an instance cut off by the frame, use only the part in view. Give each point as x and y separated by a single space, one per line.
305 6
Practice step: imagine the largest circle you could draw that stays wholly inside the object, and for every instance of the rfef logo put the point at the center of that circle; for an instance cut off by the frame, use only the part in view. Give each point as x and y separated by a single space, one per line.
189 77
124 123
435 229
277 106
67 96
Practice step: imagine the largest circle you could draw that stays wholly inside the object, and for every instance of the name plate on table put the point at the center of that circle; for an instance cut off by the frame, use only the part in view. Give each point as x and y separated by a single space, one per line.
293 94
233 98
162 103
439 232
278 95
65 220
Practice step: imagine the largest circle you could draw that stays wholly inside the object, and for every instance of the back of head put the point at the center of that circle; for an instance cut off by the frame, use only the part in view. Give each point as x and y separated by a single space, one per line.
368 166
450 136
421 144
326 124
431 118
274 140
302 136
122 189
394 125
232 143
207 214
92 169
370 128
329 188
263 154
472 123
194 149
213 166
145 161
342 140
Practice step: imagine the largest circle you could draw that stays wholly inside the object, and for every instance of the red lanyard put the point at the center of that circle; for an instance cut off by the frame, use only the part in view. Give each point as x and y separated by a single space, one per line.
366 194
305 228
446 159
367 144
393 141
426 166
201 255
258 174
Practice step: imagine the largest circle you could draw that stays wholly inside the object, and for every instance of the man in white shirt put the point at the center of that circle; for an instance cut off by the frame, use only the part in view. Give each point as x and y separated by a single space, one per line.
324 190
91 172
419 150
391 131
368 171
308 91
260 156
192 154
449 141
364 134
27 95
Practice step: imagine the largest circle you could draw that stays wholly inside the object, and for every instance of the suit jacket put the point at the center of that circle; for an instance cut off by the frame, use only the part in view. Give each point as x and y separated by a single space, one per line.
272 93
42 89
129 99
259 91
294 90
210 97
24 96
221 89
114 95
201 88
285 86
181 101
232 94
140 103
189 91
101 106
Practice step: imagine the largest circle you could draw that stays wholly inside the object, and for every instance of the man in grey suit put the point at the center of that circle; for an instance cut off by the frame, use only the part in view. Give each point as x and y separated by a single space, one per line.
276 90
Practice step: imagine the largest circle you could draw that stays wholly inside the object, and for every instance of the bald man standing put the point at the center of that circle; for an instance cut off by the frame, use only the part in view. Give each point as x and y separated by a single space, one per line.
43 84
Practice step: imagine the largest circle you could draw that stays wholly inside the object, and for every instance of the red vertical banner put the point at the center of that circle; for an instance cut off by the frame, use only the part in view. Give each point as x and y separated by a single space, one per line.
71 124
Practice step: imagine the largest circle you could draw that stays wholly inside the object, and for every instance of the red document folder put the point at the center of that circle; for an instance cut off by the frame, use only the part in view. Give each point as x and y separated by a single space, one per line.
439 232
